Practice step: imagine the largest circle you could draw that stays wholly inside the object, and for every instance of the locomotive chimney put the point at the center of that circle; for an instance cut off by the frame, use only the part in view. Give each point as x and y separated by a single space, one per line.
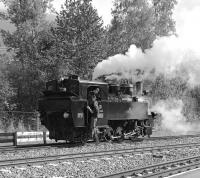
139 87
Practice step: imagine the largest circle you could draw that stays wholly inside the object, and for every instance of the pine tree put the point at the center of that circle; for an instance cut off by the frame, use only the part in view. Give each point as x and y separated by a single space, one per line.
78 37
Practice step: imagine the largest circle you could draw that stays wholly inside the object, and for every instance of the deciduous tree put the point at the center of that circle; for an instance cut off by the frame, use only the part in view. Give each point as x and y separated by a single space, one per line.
139 22
28 17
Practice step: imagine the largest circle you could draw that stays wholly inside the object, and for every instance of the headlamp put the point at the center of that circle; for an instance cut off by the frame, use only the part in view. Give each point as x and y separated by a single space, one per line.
65 115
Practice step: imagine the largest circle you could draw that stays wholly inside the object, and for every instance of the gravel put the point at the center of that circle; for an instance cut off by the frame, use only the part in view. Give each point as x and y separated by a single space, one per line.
97 167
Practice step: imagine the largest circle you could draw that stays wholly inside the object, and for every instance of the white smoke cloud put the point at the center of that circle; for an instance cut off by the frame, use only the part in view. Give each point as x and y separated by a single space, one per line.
173 120
168 55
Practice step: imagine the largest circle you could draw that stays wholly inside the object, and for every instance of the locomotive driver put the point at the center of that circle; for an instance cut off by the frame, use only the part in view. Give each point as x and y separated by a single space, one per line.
94 110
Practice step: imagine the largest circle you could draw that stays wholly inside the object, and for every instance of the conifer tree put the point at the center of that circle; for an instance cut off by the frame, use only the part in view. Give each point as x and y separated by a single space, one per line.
78 37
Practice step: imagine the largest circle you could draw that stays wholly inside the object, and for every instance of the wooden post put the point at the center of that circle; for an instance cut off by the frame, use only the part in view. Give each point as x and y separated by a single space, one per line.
15 138
44 137
37 123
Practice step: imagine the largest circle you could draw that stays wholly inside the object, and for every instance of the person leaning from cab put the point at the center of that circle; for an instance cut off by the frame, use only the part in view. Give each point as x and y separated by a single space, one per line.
97 94
94 110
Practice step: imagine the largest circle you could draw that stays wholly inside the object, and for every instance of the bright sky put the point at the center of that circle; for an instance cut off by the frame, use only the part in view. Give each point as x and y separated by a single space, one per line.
187 15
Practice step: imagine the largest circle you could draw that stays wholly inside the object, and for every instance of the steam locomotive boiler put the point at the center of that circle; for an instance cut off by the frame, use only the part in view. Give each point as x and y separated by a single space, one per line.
122 114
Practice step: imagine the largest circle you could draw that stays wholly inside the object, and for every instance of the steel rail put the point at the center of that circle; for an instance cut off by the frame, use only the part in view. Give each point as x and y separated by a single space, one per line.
111 153
30 147
171 137
49 145
159 170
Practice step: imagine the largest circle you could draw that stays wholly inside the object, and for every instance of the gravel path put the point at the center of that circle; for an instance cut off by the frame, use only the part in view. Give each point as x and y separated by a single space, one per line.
91 147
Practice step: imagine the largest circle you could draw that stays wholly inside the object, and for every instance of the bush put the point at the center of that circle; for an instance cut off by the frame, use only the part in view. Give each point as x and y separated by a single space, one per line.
164 88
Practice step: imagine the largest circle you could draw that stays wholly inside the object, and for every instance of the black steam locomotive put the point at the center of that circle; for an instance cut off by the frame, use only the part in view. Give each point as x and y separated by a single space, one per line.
122 115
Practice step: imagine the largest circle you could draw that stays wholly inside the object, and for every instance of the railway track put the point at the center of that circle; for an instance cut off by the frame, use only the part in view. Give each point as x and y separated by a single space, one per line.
171 137
89 155
166 137
50 145
31 147
159 170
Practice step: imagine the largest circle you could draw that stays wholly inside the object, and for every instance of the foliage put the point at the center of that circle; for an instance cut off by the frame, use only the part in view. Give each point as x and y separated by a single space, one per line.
139 22
6 91
164 88
25 72
78 37
12 121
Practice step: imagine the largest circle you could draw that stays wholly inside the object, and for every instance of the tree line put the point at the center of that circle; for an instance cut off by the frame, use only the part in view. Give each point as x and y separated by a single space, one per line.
74 42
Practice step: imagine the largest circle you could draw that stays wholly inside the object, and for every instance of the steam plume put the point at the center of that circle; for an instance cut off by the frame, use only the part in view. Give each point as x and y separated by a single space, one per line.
169 55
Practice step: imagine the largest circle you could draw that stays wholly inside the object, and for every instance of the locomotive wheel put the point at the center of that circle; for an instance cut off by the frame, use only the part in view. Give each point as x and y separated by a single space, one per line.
96 135
108 134
137 134
83 140
134 138
84 137
121 139
119 132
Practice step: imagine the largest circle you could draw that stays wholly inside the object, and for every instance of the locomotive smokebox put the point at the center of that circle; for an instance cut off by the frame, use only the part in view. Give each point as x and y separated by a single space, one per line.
139 87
